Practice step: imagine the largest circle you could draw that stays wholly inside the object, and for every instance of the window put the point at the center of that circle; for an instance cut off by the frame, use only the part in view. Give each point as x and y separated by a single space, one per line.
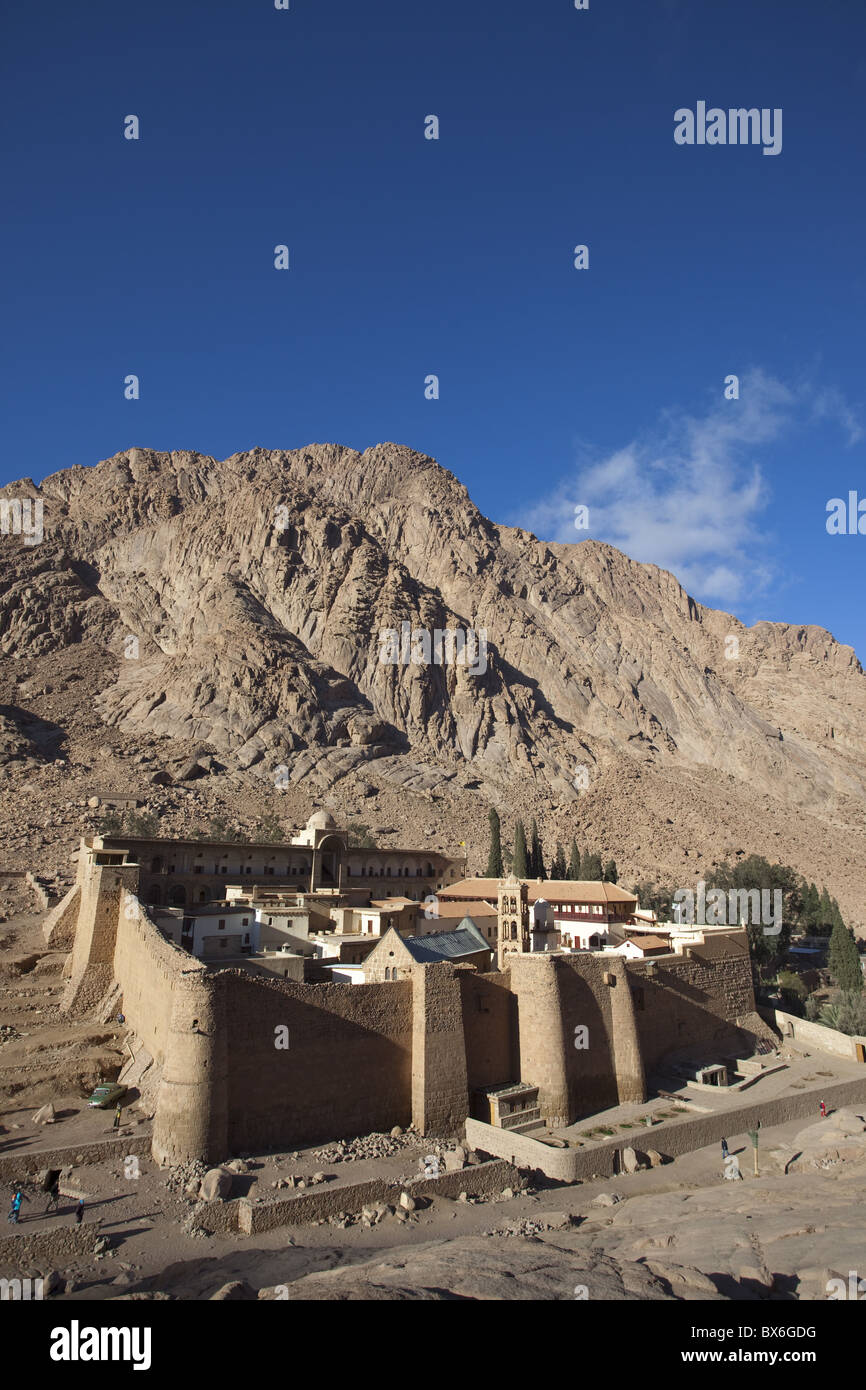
222 924
245 922
197 868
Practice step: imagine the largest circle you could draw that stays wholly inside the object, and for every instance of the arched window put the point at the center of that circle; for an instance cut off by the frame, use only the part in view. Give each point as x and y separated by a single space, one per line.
513 931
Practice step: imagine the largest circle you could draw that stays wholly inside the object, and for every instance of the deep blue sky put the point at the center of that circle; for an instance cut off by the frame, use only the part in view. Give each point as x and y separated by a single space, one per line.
454 257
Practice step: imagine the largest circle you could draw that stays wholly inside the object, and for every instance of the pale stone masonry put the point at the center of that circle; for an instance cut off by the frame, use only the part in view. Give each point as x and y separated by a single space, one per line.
253 1063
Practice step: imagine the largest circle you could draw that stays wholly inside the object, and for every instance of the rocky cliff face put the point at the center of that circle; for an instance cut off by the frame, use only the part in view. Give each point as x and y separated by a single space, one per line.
239 606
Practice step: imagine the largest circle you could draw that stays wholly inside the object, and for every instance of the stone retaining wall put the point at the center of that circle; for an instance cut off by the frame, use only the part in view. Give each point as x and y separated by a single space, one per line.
672 1139
29 1161
47 1250
481 1179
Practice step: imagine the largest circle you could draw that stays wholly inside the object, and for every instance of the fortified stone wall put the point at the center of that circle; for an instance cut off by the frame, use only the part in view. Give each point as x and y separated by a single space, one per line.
347 1068
489 1028
576 1073
690 1002
362 1058
147 968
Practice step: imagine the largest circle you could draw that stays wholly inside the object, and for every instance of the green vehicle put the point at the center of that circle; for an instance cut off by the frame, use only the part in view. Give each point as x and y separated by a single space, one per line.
105 1096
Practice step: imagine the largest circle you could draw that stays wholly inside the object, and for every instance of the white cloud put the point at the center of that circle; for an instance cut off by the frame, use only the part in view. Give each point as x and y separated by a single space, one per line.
689 498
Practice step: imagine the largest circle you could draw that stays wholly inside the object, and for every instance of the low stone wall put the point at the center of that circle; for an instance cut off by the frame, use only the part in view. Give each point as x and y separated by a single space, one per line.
29 1161
670 1140
526 1152
481 1179
806 1034
47 1250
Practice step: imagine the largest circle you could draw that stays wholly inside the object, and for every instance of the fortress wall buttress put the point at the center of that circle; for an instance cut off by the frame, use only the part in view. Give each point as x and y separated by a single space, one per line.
102 889
440 1090
578 1038
541 1047
192 1109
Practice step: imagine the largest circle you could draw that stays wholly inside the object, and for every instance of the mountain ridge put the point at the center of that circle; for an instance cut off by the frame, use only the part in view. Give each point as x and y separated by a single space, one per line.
258 638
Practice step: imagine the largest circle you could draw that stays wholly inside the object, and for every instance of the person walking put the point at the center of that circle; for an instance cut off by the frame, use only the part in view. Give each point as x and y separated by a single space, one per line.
724 1148
823 1110
79 1212
15 1214
117 1116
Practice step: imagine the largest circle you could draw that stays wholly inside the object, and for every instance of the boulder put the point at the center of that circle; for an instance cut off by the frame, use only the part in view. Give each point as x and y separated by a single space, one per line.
238 1290
455 1162
606 1199
407 1202
45 1115
216 1185
632 1161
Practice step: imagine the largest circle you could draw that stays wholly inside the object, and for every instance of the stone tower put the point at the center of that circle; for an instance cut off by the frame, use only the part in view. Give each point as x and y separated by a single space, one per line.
512 919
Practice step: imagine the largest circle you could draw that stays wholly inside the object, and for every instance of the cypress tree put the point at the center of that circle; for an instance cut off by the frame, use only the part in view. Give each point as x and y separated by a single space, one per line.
494 857
811 907
825 912
591 867
574 861
559 868
536 856
518 864
844 959
609 873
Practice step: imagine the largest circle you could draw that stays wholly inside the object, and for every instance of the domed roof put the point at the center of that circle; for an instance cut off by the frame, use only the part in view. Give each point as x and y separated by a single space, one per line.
321 820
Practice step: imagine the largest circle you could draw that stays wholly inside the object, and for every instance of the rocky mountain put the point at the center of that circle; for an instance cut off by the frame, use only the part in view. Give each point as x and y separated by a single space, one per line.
179 605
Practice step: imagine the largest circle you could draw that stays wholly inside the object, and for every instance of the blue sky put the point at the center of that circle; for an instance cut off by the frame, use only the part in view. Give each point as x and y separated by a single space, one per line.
455 257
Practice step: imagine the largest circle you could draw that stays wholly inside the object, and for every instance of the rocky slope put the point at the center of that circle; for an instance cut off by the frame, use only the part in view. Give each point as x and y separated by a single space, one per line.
179 604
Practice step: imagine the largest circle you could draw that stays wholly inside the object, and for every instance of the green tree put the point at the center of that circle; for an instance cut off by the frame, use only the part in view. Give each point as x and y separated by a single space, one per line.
142 823
360 836
591 867
794 991
494 855
559 868
519 866
811 908
609 873
269 830
824 925
574 861
847 1014
843 959
536 855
